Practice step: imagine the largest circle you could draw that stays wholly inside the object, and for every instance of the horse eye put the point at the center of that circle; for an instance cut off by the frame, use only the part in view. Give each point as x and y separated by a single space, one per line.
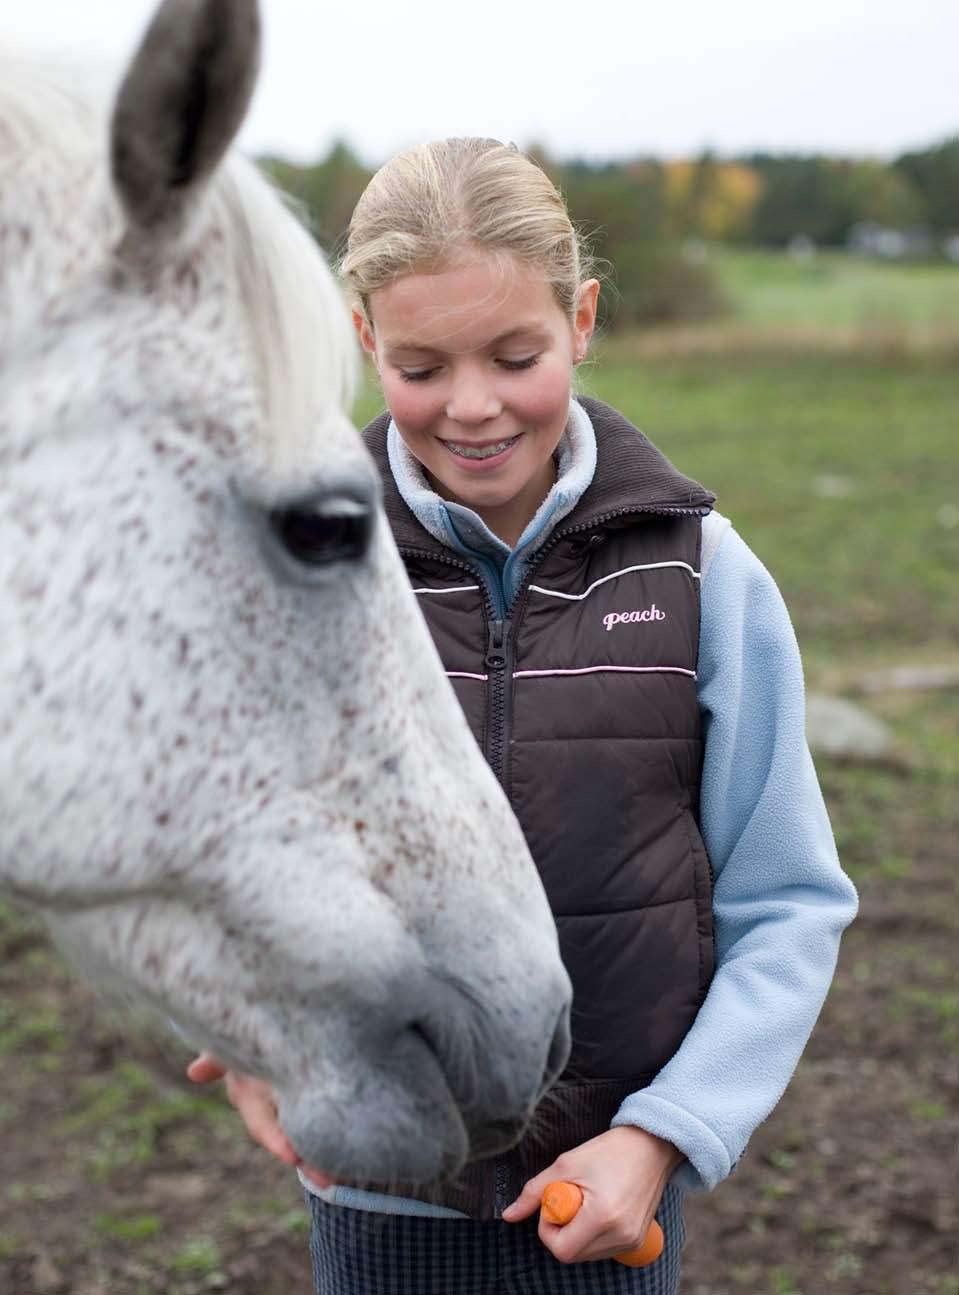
332 530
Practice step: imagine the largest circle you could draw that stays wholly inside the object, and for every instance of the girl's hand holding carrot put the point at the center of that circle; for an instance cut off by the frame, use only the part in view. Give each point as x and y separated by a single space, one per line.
562 1201
622 1174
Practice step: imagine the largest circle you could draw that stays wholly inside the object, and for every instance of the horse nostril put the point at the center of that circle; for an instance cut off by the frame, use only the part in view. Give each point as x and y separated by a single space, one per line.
423 1035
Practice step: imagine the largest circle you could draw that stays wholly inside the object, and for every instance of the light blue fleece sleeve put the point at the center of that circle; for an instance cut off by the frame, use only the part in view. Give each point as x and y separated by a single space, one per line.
781 899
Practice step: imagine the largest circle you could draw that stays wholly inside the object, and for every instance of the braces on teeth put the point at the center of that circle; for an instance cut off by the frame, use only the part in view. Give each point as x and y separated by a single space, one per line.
487 452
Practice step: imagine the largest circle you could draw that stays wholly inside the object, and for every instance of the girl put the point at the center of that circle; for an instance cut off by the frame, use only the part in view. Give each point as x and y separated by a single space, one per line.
631 673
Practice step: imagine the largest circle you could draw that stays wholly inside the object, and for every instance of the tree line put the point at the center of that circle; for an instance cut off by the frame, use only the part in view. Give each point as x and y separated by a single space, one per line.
651 218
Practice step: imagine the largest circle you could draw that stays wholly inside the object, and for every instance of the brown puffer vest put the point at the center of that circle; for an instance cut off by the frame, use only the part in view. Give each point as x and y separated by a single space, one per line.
584 700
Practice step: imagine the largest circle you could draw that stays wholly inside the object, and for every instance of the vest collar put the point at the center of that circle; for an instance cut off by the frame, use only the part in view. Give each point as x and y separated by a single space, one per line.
632 475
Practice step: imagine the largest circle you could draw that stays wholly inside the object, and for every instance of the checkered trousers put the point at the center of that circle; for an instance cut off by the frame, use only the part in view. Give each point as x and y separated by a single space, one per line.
357 1252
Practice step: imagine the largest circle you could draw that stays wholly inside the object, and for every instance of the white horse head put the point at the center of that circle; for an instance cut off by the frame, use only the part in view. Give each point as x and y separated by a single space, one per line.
233 776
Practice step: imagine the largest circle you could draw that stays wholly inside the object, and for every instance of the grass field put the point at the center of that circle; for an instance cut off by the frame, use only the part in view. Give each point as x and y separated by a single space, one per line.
842 471
833 289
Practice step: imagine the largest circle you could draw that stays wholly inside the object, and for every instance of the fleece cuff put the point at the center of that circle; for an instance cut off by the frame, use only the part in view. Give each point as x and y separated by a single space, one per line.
707 1162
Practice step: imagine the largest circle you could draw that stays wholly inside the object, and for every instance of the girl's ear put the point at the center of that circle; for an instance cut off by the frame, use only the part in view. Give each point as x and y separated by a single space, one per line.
584 322
364 331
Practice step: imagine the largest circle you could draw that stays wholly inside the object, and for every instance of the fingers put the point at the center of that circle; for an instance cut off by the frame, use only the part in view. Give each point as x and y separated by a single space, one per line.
204 1069
595 1233
580 1239
598 1230
254 1101
568 1243
526 1203
576 1240
621 1174
587 1237
530 1198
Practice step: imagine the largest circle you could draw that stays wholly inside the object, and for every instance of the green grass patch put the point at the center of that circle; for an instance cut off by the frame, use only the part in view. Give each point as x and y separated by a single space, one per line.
10 1245
845 1266
15 924
293 1219
938 1005
40 1030
781 1159
126 1118
947 1284
199 1255
933 1010
928 1112
783 1282
134 1227
25 1193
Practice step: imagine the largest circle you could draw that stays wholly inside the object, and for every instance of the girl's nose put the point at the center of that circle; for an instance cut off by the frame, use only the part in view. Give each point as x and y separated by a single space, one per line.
472 400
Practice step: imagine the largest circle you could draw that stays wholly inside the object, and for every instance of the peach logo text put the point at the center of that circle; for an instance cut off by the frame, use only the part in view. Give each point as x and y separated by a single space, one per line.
630 618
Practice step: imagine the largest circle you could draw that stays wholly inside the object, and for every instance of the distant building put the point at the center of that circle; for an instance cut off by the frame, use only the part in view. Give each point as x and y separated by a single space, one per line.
868 238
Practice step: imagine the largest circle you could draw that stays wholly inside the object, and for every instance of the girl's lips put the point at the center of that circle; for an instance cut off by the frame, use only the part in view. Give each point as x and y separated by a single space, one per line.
479 464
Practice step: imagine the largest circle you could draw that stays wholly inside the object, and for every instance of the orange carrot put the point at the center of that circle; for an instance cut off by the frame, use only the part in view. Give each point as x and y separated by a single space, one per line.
646 1253
560 1203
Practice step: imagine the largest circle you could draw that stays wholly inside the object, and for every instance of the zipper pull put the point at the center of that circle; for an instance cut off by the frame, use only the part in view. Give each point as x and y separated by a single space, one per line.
497 643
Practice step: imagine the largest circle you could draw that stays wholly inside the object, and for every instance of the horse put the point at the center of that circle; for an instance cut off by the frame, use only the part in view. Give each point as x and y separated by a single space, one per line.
234 779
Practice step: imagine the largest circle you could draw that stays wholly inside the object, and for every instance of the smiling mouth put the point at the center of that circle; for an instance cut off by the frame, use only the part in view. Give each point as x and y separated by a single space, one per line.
480 451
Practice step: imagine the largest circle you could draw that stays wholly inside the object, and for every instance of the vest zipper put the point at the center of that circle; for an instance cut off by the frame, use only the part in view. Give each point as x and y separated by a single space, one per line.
501 1188
499 663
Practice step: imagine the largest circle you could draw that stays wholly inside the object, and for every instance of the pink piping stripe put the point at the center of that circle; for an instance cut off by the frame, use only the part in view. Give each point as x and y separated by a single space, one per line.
590 669
602 669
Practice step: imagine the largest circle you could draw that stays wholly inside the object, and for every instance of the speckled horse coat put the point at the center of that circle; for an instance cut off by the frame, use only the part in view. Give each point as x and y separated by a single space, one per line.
232 774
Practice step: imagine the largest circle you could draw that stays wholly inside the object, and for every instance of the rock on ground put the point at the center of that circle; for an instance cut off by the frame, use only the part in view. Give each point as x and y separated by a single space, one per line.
845 731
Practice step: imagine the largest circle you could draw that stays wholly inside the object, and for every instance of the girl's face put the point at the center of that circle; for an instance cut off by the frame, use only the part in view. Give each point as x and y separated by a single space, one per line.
475 364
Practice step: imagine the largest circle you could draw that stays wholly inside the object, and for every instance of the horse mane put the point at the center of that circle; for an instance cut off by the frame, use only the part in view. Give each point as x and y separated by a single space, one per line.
292 306
295 312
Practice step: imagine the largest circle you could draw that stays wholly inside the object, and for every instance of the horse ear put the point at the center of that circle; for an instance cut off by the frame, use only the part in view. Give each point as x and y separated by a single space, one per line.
180 105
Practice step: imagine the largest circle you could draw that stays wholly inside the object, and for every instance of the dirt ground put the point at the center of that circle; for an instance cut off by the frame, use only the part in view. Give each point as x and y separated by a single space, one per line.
120 1178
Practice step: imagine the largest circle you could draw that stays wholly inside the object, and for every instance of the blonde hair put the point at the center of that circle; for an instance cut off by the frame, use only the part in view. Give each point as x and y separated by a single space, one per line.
434 206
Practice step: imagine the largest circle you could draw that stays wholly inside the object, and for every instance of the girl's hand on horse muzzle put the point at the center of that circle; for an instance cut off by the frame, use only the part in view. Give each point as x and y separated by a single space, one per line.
253 1098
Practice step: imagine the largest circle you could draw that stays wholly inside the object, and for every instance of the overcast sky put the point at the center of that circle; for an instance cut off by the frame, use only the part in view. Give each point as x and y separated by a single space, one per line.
602 78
